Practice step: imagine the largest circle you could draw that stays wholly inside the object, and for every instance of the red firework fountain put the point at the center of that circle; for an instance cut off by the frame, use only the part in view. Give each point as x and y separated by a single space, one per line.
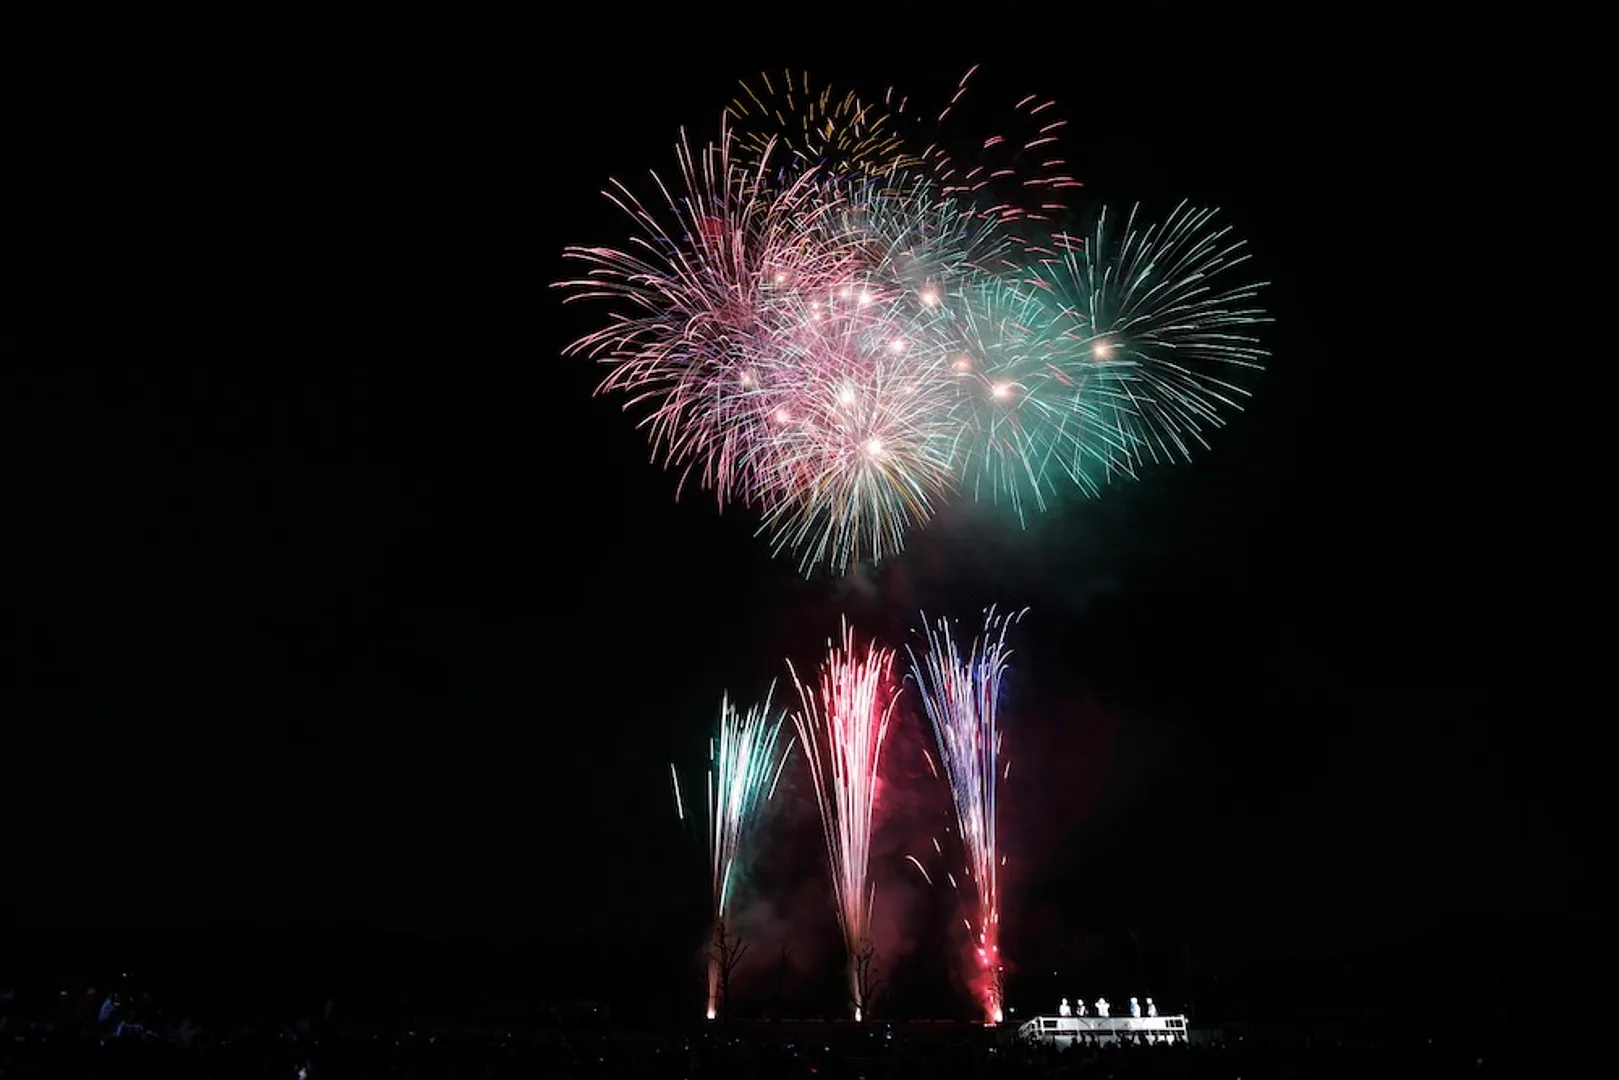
960 692
842 725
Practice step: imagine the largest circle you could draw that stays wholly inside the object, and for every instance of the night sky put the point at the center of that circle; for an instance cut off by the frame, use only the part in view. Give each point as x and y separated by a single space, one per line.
335 598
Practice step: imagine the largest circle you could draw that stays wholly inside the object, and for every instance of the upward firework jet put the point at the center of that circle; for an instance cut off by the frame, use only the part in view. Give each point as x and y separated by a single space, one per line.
961 695
843 722
746 757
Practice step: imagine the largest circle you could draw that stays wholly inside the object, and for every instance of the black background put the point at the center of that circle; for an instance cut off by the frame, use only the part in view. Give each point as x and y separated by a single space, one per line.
339 608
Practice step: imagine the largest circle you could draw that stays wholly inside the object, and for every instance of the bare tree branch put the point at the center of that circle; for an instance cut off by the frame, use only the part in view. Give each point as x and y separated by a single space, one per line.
866 982
726 953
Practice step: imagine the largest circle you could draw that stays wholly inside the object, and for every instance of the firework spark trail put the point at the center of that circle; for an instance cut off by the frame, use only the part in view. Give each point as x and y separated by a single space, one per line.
818 128
746 758
842 724
960 693
1015 175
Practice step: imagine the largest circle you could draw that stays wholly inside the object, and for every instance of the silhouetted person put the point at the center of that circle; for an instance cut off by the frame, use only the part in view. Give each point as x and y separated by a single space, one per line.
1135 1008
1102 1007
1152 1010
1063 1009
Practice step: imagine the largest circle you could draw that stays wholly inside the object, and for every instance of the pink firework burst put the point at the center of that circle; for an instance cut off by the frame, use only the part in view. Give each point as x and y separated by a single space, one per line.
693 289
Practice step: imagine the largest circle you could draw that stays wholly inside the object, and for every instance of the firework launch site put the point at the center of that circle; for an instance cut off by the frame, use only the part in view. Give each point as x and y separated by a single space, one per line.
126 1031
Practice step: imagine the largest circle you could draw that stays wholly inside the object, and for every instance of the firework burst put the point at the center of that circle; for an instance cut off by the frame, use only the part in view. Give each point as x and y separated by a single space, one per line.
693 289
842 724
866 447
960 691
844 316
1164 311
864 460
1034 410
1015 175
817 127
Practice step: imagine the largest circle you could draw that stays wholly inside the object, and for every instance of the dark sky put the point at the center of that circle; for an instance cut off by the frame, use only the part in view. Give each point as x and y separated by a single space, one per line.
334 595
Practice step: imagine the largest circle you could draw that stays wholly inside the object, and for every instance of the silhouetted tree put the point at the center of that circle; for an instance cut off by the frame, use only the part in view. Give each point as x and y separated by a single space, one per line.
997 987
866 982
725 953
